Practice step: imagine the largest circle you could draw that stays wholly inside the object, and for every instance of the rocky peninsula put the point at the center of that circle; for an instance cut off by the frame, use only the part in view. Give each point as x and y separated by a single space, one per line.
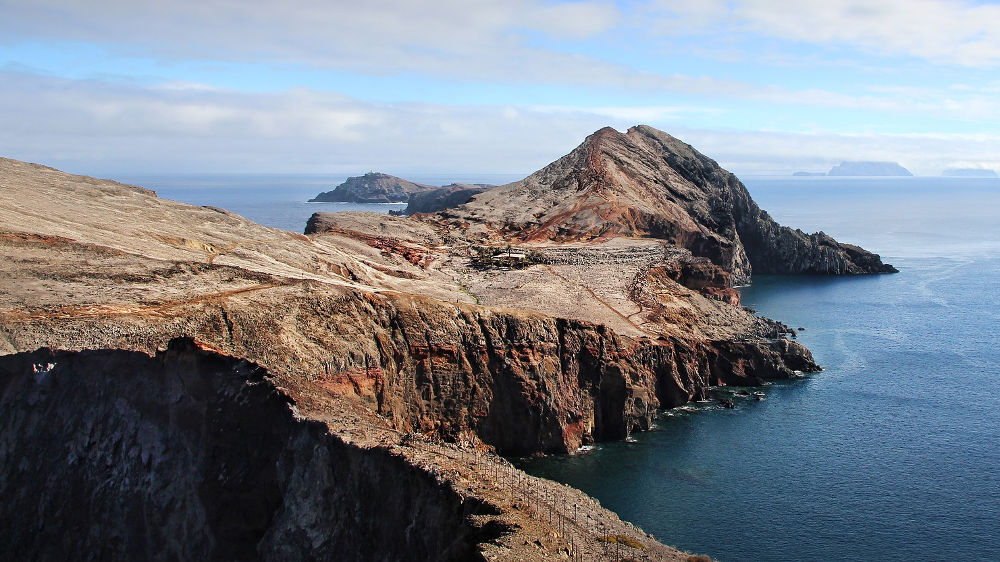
220 389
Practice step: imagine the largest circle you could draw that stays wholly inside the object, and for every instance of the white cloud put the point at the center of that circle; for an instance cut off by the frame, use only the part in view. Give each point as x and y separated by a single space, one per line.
97 127
941 31
471 39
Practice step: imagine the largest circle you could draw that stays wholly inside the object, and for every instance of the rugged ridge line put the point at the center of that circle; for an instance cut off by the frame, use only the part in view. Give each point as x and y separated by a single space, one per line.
647 183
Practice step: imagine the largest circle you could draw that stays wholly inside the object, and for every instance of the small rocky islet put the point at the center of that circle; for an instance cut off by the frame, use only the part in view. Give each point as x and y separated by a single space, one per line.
376 187
219 389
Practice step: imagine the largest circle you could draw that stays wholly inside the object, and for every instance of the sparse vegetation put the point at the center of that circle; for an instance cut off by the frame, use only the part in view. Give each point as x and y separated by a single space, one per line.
466 290
622 540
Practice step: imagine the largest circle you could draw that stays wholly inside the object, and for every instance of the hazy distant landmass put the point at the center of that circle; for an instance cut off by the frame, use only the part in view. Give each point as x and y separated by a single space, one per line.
373 187
970 173
809 174
864 168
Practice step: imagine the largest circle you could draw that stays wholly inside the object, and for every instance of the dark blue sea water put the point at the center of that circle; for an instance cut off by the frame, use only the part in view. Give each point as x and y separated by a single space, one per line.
891 453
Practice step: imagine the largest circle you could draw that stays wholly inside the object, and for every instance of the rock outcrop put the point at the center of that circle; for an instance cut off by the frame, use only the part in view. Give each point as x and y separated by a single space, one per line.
865 168
647 183
444 197
373 187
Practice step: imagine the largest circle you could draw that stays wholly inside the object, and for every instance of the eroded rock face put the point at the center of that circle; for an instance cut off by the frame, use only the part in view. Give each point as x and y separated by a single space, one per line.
528 383
192 455
647 183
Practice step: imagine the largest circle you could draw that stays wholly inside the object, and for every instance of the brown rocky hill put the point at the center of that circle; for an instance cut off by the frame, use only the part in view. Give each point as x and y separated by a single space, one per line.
646 183
373 187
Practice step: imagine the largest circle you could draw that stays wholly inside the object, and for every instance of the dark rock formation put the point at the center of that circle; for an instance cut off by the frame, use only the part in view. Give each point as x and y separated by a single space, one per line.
969 173
373 187
442 198
527 383
647 183
869 169
190 455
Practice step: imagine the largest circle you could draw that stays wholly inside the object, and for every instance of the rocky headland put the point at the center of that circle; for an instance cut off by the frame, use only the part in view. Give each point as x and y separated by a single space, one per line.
373 187
220 389
865 168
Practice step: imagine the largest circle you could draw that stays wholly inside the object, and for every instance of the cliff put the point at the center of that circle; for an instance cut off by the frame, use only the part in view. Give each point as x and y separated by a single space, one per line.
646 183
373 187
442 198
189 455
868 169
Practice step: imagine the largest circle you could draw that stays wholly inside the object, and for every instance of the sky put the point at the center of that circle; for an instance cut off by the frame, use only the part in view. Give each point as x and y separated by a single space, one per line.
494 87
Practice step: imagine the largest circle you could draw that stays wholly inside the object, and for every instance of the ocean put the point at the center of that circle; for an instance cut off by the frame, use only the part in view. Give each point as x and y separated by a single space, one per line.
892 452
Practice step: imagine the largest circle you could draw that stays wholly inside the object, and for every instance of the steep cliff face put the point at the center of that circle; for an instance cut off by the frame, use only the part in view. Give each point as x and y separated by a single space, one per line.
191 455
647 183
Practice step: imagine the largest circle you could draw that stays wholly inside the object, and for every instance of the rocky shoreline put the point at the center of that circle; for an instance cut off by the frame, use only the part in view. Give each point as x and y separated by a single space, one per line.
380 357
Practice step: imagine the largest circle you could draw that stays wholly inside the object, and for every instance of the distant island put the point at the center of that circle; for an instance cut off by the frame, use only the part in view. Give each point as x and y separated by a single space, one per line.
969 173
864 168
376 187
373 187
809 174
